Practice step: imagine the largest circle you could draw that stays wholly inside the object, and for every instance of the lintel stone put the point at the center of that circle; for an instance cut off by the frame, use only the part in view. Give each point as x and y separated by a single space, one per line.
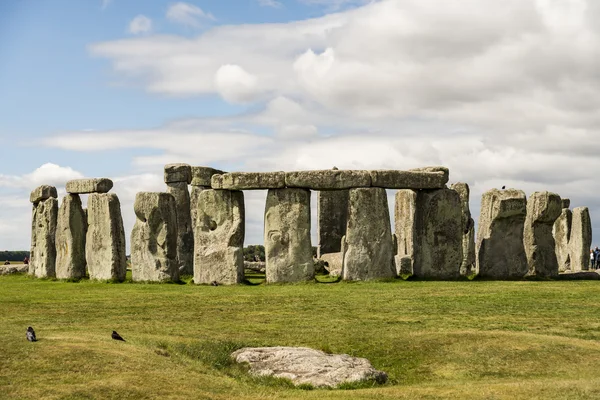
201 176
42 193
178 173
329 179
91 185
249 180
422 178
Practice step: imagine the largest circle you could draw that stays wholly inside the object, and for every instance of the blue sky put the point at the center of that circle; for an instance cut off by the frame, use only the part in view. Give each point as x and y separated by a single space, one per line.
502 94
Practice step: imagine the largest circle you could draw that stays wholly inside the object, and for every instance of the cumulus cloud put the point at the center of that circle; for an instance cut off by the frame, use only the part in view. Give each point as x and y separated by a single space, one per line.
140 24
235 85
188 14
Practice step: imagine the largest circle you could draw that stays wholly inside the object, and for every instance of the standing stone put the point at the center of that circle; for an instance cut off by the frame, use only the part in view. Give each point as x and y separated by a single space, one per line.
219 237
201 180
71 229
581 239
430 230
288 248
42 260
543 208
332 215
500 249
194 196
105 239
468 227
368 244
154 238
185 235
562 234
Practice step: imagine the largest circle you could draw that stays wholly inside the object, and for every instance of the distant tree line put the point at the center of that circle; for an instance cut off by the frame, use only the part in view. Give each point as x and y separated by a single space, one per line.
13 255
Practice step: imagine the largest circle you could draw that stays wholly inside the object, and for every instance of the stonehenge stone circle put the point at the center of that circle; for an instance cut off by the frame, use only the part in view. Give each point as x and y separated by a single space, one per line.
42 257
93 185
429 229
581 239
154 238
500 249
467 267
71 228
288 248
105 238
332 215
177 177
219 237
561 231
543 208
368 244
249 180
328 179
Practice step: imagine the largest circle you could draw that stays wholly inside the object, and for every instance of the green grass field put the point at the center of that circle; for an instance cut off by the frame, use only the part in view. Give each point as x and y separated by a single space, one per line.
436 340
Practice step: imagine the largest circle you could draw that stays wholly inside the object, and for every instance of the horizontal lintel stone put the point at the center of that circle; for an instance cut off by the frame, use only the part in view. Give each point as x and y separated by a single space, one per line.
201 176
178 173
91 185
422 178
249 180
328 179
43 192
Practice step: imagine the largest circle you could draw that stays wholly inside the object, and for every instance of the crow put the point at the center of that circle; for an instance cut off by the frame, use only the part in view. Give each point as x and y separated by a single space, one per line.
214 283
116 336
503 187
31 335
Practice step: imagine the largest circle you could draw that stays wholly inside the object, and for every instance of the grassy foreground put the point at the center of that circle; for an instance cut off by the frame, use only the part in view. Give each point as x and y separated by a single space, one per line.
436 340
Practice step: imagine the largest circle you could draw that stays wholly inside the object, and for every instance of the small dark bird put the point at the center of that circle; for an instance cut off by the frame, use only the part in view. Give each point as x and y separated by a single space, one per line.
503 187
116 336
214 283
31 335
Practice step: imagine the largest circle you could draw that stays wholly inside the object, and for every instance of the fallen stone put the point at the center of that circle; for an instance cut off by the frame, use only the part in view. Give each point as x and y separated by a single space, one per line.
500 249
332 215
42 193
71 228
201 176
467 267
404 266
185 234
288 248
154 238
178 173
335 262
42 259
414 179
93 185
256 266
566 203
219 237
13 269
105 238
562 234
303 365
369 248
581 239
543 208
429 230
327 179
249 180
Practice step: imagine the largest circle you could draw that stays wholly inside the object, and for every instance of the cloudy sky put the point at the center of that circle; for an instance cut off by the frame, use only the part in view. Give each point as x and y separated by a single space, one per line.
501 92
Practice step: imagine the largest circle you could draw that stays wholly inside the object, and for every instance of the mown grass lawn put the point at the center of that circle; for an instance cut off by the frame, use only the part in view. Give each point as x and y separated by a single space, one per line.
436 340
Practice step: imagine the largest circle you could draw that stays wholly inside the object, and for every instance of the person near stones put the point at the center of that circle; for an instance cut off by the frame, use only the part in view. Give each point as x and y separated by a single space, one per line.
6 262
596 257
26 260
592 259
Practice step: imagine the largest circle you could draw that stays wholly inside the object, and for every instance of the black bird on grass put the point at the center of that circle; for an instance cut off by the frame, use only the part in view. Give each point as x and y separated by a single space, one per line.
31 335
116 336
214 283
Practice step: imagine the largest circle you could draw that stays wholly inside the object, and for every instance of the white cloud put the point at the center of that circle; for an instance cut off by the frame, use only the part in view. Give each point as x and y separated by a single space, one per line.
334 5
188 14
235 85
140 24
270 3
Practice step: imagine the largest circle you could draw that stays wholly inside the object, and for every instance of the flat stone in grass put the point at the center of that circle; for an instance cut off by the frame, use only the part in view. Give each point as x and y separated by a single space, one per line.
304 366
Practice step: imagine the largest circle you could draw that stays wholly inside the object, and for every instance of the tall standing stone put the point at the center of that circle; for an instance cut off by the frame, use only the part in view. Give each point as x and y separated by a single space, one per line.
430 230
543 208
42 258
468 228
500 249
562 234
288 247
154 238
177 177
581 239
219 237
332 216
201 177
71 229
368 244
105 239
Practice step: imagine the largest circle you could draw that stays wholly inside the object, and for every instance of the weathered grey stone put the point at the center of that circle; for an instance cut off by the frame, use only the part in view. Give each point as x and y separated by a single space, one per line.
335 262
467 267
566 203
332 215
71 228
92 185
105 239
154 238
500 249
404 266
194 196
543 208
302 365
42 259
248 180
256 266
562 234
369 252
42 193
13 269
422 178
219 237
288 248
328 179
581 239
178 173
429 230
201 176
185 234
